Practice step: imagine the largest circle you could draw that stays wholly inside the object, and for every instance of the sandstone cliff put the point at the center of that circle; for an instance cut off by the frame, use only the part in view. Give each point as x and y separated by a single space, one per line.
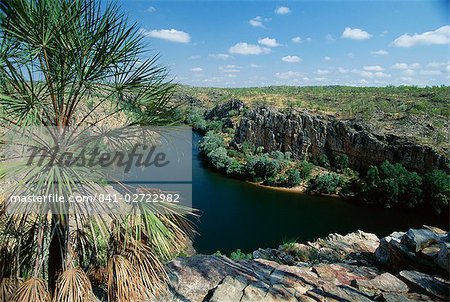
309 135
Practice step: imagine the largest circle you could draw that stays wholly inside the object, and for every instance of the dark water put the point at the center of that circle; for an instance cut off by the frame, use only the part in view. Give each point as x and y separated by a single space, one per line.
240 215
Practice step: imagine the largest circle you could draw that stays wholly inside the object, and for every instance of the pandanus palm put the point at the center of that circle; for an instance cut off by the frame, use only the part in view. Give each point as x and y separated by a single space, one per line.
66 63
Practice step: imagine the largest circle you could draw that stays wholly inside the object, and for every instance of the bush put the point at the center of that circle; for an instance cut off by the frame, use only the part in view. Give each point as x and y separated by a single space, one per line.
341 162
392 184
293 178
323 161
234 167
197 121
261 167
305 168
436 187
239 255
219 158
211 141
327 183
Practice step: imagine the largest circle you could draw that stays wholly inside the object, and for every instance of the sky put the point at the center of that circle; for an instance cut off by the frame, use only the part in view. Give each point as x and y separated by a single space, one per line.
302 43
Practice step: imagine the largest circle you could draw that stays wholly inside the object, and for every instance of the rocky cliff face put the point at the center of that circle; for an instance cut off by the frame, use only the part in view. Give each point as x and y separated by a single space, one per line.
310 135
354 267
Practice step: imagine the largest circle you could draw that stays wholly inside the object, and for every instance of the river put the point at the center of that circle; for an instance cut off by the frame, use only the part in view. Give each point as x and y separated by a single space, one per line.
240 215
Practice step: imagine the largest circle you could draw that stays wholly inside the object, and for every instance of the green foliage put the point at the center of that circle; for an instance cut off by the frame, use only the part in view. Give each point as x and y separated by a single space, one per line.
261 167
196 119
239 255
391 184
327 183
341 162
211 141
290 178
436 187
305 168
322 161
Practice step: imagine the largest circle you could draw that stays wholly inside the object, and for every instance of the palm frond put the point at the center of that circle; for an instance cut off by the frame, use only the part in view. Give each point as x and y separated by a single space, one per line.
33 289
73 285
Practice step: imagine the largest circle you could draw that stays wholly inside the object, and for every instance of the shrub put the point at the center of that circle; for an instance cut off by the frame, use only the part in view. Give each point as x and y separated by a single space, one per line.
436 187
261 167
219 158
196 120
327 183
293 178
234 167
341 162
211 141
239 255
305 168
323 161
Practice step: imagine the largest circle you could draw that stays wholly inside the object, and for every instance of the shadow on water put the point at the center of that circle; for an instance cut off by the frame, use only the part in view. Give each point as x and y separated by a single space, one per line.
240 215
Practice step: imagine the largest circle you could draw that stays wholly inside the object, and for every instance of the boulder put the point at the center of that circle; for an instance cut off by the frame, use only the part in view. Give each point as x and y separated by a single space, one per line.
417 239
443 257
427 284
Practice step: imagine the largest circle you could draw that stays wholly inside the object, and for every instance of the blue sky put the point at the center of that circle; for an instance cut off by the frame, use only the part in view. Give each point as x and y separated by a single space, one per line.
250 43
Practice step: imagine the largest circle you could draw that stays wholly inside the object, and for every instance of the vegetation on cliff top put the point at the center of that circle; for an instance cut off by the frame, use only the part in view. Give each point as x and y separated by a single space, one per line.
420 113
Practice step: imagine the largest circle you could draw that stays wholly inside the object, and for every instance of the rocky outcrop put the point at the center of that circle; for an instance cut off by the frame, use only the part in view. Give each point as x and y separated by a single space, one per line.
425 249
308 135
349 273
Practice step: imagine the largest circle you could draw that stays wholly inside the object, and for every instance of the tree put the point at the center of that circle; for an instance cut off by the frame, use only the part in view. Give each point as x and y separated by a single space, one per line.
436 186
67 64
327 183
341 162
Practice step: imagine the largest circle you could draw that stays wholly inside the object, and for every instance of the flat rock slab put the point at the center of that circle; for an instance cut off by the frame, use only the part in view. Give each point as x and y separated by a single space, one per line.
385 283
428 284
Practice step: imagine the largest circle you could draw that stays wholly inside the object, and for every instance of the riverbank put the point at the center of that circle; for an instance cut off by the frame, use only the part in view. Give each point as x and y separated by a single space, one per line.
405 266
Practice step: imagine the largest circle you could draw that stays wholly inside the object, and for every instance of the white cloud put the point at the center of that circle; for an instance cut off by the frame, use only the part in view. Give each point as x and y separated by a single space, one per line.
409 72
282 10
287 75
258 21
380 52
298 40
438 64
329 37
150 9
343 70
322 72
363 82
255 66
269 42
220 56
430 72
195 57
171 35
355 34
370 74
230 68
291 59
373 68
197 69
402 66
242 48
440 36
327 58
